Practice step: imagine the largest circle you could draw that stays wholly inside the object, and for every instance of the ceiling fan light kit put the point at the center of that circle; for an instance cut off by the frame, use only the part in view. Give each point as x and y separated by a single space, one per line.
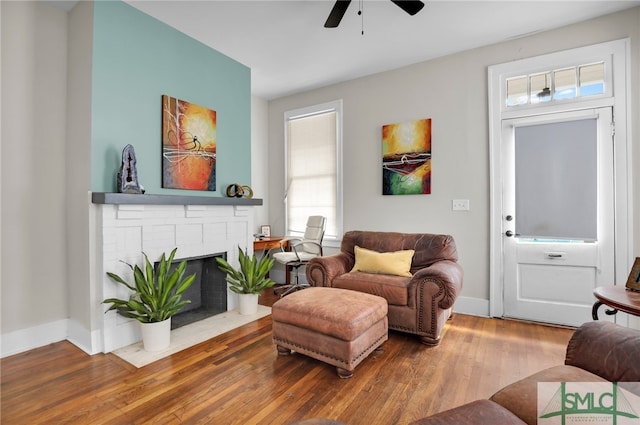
340 8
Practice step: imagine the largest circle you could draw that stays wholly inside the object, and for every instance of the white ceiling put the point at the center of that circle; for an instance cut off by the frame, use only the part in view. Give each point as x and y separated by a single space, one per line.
288 49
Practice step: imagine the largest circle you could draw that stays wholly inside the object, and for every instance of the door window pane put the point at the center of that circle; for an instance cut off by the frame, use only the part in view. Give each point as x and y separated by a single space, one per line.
556 180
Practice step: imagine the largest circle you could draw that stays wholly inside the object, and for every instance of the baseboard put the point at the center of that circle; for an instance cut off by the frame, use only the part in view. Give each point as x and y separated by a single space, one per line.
88 341
34 337
472 306
38 336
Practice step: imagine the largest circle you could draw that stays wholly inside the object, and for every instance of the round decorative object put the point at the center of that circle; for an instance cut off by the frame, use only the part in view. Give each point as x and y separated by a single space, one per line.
247 192
235 191
239 191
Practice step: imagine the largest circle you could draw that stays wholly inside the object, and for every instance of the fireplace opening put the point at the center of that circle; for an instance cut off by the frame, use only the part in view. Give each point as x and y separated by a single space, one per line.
208 293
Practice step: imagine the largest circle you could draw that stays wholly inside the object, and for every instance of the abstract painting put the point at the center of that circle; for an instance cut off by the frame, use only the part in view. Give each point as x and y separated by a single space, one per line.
188 145
406 158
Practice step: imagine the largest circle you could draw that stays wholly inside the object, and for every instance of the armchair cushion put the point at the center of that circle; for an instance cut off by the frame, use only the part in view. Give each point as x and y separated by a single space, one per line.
521 397
395 289
289 257
397 263
477 412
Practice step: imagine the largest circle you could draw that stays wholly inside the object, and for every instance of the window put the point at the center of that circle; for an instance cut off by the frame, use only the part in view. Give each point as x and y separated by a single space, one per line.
314 168
559 84
552 160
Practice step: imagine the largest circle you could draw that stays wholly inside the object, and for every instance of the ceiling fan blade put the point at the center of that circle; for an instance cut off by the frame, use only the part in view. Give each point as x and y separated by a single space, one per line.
338 11
410 6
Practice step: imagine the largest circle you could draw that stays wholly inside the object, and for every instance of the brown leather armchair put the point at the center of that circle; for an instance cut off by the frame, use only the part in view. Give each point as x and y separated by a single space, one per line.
420 304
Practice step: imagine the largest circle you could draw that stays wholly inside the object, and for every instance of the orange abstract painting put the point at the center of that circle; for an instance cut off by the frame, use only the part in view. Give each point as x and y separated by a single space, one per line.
188 145
406 158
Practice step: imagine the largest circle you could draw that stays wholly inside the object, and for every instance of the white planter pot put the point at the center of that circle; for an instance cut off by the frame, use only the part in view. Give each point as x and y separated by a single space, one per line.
156 336
248 303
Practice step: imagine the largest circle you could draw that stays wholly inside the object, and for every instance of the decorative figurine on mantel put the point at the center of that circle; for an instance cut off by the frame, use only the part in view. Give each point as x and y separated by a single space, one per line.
239 191
128 175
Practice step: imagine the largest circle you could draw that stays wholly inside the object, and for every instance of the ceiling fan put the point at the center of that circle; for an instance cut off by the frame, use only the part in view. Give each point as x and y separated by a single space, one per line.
340 7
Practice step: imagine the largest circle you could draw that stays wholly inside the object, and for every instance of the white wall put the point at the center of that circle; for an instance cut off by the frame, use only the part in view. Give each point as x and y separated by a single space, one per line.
34 78
453 92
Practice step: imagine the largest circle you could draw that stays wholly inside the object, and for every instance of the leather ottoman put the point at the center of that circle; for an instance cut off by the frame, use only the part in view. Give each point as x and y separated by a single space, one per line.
340 327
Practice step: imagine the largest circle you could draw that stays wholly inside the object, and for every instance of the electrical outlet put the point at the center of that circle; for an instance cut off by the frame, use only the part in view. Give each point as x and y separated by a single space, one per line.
460 205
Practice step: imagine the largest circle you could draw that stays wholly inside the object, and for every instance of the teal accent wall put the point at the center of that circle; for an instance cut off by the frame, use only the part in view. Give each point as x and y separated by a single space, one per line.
137 59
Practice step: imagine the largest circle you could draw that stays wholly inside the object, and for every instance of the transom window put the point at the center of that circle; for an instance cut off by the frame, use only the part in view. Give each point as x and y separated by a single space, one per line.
556 85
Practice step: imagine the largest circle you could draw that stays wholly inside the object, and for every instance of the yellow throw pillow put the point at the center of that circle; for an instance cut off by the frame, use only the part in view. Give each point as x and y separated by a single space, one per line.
396 263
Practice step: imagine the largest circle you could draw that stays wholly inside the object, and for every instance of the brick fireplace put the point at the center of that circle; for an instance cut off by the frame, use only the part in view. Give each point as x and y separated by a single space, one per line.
127 225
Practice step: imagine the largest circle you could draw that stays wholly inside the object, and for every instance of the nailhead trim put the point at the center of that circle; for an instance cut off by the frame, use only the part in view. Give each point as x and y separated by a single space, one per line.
374 344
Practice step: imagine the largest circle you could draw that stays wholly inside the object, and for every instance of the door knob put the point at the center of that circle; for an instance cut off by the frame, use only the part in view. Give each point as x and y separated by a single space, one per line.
508 233
509 218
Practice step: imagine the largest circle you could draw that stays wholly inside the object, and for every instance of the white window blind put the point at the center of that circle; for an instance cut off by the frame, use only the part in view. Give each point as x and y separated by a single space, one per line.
313 170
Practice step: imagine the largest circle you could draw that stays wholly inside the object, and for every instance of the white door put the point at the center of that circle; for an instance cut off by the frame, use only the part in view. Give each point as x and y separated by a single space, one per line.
558 214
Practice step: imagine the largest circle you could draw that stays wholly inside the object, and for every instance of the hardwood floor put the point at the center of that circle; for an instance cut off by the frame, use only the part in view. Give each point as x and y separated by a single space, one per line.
237 378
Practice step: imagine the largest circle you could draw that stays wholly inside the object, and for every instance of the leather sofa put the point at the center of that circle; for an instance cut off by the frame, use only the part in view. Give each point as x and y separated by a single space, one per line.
419 303
597 352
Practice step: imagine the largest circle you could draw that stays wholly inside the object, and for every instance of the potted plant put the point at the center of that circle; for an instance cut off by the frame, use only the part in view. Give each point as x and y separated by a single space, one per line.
249 280
157 295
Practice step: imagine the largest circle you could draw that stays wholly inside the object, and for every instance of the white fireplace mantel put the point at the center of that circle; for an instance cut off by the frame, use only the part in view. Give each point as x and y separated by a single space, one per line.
146 199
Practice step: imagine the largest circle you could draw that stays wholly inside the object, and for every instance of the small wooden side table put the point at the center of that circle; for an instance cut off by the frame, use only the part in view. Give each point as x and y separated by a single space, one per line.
273 242
265 244
619 298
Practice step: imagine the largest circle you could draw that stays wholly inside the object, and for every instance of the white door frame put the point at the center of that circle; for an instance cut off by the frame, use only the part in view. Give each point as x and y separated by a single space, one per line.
616 54
548 289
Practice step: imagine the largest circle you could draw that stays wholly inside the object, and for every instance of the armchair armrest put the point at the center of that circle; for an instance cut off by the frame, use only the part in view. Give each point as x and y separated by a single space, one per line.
302 243
289 238
322 270
446 275
606 349
287 242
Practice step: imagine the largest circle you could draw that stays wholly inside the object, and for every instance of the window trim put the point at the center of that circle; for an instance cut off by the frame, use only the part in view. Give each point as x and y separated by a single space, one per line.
549 63
306 111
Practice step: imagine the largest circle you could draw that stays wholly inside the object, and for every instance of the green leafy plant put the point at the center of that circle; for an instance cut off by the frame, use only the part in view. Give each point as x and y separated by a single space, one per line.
251 277
157 294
